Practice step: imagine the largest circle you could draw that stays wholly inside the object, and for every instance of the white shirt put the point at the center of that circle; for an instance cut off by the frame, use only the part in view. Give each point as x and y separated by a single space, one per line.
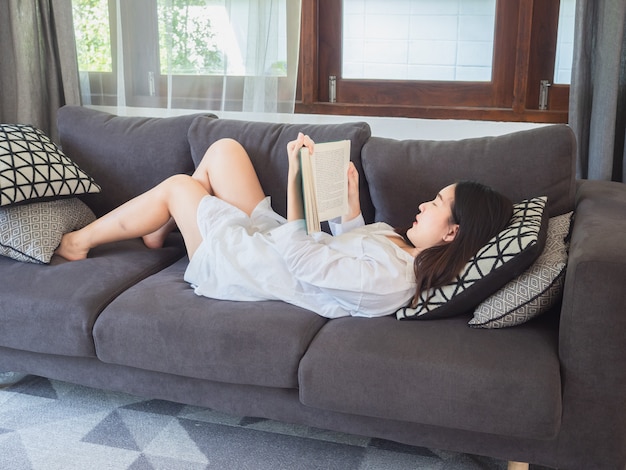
358 271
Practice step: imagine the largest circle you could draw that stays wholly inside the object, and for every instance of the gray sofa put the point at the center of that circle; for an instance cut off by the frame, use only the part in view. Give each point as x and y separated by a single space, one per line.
551 391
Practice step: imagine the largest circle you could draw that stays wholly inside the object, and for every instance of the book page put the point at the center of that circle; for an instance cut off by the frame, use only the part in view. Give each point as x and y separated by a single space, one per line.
325 182
330 167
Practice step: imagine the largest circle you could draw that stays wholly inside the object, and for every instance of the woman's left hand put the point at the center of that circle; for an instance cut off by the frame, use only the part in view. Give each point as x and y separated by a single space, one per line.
295 209
293 150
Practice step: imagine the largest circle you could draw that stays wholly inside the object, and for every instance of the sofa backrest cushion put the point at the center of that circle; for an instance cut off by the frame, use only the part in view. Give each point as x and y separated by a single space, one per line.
125 155
266 143
525 164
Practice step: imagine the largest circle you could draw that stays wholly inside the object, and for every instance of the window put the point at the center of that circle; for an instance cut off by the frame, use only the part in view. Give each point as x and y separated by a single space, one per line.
565 43
190 54
470 59
418 40
464 59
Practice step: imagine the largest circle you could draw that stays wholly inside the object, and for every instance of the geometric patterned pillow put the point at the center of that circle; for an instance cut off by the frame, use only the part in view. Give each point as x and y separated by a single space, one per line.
533 292
32 167
503 258
31 232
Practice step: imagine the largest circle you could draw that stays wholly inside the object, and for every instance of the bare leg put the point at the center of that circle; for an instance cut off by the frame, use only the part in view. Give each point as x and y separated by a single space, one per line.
177 197
226 172
157 238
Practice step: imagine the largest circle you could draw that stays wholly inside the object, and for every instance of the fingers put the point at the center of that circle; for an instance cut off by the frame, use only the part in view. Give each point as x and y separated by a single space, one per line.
301 141
353 173
308 142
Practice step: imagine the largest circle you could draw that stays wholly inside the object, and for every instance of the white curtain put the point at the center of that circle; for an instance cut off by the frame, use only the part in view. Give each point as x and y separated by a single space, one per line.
218 55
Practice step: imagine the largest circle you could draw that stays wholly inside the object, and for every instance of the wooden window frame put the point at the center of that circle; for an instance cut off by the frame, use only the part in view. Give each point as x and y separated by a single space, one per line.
524 53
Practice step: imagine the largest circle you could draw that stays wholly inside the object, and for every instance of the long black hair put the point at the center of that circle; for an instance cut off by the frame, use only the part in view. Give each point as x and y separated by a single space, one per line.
480 213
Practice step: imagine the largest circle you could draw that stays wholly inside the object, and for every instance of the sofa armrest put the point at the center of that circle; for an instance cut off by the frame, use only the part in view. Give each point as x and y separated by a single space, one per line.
592 335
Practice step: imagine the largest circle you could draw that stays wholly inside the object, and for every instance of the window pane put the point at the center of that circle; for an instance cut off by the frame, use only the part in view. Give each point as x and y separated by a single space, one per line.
205 37
418 39
565 43
93 40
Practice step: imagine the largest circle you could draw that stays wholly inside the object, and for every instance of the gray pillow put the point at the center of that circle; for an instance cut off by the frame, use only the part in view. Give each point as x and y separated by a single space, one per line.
31 232
505 256
536 290
33 168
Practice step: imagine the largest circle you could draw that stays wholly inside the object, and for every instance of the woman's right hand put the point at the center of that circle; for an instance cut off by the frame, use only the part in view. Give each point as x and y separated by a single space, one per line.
354 203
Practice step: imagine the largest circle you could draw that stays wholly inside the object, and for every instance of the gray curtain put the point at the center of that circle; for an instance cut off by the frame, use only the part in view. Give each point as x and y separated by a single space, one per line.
597 106
38 67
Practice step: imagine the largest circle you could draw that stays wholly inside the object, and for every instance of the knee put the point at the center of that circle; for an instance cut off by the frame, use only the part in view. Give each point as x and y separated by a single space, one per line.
178 182
226 144
225 148
177 186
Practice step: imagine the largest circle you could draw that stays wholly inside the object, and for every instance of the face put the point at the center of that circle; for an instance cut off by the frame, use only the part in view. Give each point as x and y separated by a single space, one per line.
433 225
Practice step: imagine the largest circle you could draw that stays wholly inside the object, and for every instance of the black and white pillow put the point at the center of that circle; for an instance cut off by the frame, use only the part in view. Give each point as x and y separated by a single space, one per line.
536 290
505 256
33 168
31 232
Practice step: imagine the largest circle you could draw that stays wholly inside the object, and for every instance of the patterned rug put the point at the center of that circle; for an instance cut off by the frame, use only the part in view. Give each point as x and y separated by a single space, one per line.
48 425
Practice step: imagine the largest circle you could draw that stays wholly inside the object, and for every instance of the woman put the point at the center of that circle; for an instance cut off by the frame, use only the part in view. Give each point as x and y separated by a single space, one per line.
240 249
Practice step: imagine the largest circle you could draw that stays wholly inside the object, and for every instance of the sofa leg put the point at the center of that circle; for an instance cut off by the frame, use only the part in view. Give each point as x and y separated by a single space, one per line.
517 465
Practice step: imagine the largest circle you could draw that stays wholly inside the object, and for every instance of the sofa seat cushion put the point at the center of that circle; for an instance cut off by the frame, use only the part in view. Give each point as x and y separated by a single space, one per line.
441 373
52 308
162 325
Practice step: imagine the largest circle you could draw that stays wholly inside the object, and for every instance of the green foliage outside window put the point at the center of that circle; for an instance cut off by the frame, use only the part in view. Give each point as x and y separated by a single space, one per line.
187 43
93 37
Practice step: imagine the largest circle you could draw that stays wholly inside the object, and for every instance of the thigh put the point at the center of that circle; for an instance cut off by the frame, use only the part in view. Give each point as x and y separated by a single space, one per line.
227 172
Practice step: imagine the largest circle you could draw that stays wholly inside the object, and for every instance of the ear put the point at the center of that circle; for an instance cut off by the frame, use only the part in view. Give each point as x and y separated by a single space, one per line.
451 234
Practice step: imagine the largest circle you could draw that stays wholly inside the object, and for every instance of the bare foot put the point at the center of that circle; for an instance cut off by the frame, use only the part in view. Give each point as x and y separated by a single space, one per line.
157 239
70 249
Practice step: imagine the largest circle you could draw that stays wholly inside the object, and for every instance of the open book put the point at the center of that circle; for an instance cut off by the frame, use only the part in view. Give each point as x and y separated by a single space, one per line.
325 182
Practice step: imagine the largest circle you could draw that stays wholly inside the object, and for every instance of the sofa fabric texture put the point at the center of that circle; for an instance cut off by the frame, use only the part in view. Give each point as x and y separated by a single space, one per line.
449 373
255 343
549 391
101 143
522 165
52 309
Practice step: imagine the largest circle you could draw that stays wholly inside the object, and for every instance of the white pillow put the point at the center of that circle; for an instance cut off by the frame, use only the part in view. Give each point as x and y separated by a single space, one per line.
33 168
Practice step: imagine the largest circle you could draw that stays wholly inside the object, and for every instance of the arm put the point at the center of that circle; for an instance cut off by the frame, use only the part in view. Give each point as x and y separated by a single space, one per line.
359 273
295 207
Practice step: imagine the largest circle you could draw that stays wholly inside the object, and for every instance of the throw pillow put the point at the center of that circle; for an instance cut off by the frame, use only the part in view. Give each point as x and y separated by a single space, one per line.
31 232
32 167
536 290
504 257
